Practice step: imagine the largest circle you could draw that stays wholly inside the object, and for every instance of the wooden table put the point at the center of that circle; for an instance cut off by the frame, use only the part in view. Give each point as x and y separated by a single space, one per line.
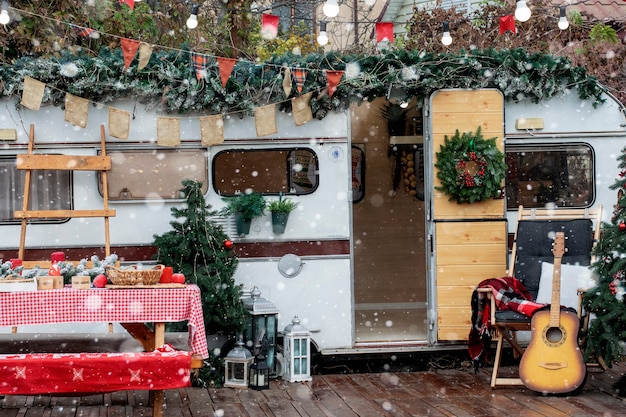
132 307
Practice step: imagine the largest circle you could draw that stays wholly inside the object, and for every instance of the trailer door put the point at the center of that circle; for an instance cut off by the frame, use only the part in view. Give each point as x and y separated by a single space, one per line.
468 241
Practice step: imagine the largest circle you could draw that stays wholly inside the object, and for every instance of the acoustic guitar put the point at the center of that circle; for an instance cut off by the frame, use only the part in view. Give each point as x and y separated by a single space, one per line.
552 362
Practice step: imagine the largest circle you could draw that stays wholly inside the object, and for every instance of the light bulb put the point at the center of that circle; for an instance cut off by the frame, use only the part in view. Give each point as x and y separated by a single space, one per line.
192 22
322 38
4 17
370 2
331 8
522 12
563 23
446 39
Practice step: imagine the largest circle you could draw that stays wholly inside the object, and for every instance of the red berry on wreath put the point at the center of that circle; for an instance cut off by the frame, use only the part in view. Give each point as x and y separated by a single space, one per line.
228 244
622 226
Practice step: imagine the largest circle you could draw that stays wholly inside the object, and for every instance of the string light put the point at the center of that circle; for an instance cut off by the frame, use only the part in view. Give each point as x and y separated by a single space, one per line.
563 23
331 8
446 39
322 38
4 15
192 22
522 12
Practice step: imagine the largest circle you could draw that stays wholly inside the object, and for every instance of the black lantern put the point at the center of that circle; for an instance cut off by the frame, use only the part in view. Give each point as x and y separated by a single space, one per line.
259 374
261 328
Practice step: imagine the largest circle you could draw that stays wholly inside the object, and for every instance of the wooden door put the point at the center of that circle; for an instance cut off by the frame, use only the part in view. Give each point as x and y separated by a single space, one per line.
470 241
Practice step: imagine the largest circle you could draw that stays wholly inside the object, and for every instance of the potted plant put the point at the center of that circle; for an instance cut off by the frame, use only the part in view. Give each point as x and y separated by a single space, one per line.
280 210
245 207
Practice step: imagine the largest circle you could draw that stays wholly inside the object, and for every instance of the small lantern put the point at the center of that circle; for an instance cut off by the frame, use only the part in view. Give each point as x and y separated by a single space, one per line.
261 328
297 353
237 364
259 374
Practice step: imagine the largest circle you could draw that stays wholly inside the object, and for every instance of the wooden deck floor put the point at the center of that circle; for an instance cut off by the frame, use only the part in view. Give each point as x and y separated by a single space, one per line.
454 392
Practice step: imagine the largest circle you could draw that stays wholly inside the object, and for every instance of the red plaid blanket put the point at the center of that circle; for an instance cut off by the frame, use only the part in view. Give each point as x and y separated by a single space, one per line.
509 294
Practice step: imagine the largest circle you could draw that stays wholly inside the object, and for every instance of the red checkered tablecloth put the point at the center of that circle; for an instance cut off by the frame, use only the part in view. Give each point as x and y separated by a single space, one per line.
107 305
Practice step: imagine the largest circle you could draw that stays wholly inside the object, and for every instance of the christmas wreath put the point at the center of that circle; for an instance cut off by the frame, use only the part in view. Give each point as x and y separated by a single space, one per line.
471 168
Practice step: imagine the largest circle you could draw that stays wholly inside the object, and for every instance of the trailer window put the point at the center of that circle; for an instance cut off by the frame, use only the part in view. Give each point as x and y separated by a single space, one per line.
153 175
559 174
49 190
268 171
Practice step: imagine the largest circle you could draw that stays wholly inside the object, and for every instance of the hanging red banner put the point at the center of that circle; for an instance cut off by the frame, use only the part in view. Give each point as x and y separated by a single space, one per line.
269 26
507 23
226 66
384 32
300 75
129 50
130 3
200 62
333 78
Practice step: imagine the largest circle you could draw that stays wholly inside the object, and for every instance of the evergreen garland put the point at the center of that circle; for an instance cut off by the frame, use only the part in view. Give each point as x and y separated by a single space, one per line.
607 331
471 168
169 80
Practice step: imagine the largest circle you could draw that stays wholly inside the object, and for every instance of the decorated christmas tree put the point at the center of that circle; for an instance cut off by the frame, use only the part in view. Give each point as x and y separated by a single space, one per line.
606 338
199 248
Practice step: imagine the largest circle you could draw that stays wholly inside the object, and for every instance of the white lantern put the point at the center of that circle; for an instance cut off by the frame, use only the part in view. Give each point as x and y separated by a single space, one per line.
296 344
237 364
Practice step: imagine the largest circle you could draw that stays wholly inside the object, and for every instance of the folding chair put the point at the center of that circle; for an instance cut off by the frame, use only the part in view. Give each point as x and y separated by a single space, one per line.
532 248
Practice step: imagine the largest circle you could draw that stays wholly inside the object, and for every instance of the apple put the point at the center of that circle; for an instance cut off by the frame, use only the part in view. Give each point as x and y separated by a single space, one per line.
178 278
100 281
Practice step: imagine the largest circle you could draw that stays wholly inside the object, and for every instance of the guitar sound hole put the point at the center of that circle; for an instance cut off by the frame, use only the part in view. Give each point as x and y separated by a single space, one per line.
554 335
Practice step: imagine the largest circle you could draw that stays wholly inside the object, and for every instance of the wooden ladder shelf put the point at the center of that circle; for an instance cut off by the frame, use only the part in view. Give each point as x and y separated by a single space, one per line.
31 161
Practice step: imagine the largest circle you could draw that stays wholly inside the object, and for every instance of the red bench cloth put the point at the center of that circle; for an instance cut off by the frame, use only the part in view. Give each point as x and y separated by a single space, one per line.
30 374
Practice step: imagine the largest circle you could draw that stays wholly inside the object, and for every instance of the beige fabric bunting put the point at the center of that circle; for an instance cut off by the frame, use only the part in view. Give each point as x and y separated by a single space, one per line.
301 110
32 94
119 123
212 130
76 110
287 82
168 131
265 120
145 52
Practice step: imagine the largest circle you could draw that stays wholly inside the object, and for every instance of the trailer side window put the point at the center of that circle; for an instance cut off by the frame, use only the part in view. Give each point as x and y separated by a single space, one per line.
267 171
558 174
50 190
154 174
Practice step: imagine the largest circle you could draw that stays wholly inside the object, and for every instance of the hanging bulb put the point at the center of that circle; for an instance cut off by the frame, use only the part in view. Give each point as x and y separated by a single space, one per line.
370 2
446 39
522 12
4 15
331 8
192 22
563 23
322 38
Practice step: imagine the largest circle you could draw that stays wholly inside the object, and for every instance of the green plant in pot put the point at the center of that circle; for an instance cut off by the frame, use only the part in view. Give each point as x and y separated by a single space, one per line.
245 207
280 210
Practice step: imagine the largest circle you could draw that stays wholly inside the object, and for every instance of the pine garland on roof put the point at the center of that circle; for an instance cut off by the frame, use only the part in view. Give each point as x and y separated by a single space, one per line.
170 81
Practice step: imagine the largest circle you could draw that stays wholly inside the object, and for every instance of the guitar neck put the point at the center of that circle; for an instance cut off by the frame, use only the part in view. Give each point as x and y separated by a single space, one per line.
555 305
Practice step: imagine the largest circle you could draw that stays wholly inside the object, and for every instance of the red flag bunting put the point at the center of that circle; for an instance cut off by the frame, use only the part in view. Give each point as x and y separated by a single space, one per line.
82 31
300 75
384 32
129 50
333 78
507 23
131 3
269 27
226 66
200 62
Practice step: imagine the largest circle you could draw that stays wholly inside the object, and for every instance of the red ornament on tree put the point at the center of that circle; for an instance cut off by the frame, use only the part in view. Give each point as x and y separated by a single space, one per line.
622 226
228 244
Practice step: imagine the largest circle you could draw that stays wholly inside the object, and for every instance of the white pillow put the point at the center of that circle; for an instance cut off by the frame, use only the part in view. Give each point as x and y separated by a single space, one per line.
573 277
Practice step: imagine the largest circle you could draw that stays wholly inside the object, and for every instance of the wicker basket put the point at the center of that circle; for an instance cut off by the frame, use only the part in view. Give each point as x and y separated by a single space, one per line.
133 276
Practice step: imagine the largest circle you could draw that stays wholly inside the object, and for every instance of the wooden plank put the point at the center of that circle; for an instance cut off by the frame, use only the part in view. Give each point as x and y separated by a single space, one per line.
461 233
467 275
446 125
64 162
62 214
454 296
471 255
